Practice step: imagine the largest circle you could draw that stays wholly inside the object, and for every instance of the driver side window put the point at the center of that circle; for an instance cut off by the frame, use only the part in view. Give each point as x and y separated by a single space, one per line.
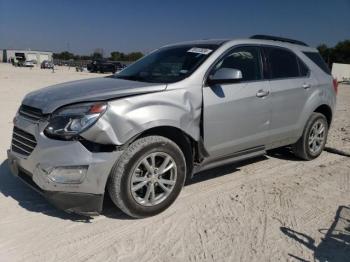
246 59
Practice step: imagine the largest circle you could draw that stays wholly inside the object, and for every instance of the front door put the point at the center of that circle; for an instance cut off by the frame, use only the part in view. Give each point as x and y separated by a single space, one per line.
237 115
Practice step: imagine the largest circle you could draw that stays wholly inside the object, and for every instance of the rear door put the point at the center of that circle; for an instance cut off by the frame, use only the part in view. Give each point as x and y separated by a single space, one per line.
290 87
236 115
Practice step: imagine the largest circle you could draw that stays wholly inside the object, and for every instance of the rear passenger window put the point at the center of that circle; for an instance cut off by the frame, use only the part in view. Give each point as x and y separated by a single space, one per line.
283 63
318 60
246 59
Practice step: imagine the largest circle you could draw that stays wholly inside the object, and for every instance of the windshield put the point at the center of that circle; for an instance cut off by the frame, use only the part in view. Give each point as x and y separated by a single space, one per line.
169 64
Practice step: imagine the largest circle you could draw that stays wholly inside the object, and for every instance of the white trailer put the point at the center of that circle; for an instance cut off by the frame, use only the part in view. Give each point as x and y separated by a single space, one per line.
27 55
341 72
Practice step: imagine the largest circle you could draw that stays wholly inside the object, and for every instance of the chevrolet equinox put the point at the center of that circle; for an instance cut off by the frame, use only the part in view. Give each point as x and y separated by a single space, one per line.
181 109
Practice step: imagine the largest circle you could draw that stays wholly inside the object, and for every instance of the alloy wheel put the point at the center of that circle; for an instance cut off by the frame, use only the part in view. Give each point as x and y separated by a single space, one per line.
316 137
153 179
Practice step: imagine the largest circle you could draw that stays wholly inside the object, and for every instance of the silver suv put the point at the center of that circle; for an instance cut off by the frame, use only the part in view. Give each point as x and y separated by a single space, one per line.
181 109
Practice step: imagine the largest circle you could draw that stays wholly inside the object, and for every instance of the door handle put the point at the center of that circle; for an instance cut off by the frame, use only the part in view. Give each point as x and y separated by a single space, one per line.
306 86
262 93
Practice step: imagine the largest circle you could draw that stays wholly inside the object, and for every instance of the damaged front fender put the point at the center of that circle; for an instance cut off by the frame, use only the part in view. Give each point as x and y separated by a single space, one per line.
130 116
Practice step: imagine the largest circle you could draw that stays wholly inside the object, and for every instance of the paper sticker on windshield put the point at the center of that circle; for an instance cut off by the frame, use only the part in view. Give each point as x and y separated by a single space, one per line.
197 50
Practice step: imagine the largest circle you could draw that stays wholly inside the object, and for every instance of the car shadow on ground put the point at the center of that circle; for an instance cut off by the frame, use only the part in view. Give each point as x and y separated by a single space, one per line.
27 198
111 211
283 153
334 246
222 170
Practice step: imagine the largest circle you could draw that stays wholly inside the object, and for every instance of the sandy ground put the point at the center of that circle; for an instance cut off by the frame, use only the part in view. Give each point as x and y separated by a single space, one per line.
272 208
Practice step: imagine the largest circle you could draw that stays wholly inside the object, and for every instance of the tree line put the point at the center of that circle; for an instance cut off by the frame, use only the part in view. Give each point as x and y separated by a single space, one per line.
99 55
340 53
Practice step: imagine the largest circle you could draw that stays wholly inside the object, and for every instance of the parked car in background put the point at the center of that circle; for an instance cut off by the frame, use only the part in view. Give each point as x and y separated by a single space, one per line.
46 65
29 63
80 68
184 108
104 66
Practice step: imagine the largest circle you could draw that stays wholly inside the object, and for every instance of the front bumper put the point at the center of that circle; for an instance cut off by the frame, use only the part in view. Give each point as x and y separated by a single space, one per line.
70 202
85 197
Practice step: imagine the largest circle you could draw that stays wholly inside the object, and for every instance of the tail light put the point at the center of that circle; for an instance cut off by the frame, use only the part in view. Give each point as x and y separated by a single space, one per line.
335 85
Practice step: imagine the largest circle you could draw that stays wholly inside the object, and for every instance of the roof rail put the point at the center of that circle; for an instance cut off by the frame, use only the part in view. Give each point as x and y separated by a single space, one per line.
276 38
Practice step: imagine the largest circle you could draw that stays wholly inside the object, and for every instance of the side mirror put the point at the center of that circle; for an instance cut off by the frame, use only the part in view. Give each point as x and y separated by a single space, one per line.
225 75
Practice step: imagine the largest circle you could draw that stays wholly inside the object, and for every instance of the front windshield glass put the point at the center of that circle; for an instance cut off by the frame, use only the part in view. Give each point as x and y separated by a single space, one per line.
169 64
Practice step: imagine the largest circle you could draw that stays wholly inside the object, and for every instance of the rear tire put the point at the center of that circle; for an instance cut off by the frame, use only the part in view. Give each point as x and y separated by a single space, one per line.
311 144
141 166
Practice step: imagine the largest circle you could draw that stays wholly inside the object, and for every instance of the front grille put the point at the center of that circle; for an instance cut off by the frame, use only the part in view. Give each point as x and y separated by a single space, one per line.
22 142
31 113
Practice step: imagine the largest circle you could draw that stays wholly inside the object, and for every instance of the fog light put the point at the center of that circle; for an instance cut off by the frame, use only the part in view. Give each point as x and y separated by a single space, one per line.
68 175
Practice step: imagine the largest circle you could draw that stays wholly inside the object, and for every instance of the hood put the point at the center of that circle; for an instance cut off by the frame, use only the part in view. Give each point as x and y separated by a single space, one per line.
50 98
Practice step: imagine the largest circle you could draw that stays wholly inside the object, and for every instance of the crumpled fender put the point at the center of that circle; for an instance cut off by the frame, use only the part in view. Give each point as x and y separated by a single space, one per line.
127 117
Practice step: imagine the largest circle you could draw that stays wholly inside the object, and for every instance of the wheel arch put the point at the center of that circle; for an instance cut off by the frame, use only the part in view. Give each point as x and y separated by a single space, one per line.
326 111
191 148
314 105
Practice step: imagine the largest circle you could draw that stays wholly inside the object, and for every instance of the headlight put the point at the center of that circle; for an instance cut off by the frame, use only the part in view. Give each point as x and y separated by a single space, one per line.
70 121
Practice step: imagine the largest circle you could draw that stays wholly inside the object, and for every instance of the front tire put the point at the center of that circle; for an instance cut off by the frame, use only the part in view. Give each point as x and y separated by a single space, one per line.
314 138
148 177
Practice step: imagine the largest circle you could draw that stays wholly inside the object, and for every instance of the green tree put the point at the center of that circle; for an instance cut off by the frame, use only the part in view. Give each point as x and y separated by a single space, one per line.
120 56
133 56
338 54
341 52
96 56
63 55
326 53
117 56
82 57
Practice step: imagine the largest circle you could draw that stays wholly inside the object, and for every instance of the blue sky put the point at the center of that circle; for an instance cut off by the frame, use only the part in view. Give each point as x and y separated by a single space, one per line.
81 26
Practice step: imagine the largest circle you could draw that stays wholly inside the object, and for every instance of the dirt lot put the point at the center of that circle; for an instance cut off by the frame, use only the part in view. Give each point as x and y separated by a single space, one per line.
272 208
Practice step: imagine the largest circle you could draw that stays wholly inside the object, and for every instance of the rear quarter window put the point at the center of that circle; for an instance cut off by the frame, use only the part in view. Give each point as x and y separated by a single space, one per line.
318 60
